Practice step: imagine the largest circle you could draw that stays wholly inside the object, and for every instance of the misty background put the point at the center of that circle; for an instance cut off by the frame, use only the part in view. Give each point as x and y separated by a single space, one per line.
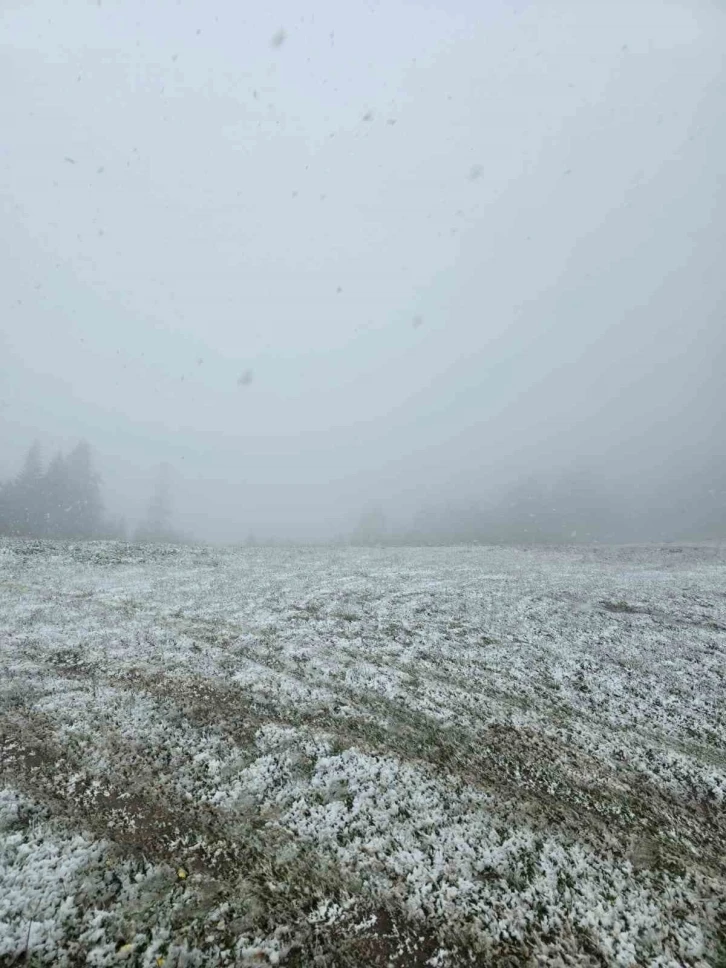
445 269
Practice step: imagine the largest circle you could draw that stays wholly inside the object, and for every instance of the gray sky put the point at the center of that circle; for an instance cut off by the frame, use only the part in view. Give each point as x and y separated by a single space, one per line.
449 241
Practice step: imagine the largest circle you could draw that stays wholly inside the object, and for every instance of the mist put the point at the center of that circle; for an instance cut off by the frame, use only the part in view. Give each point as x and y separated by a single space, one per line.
415 260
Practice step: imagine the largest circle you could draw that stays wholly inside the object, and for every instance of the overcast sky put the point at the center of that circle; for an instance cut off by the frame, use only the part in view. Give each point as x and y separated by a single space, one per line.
319 256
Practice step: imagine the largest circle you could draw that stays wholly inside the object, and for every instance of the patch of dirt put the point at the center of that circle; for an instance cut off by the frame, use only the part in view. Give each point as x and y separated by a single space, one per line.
123 809
235 713
383 939
623 607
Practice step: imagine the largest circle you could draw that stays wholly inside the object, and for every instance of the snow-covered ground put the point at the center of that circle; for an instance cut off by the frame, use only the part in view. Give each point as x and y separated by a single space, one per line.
439 756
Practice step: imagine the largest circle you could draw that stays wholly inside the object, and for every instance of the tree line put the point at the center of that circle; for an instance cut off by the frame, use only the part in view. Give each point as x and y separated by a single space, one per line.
63 499
60 500
574 506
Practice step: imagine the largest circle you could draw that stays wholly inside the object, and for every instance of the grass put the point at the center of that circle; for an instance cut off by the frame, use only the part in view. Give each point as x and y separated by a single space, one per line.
409 757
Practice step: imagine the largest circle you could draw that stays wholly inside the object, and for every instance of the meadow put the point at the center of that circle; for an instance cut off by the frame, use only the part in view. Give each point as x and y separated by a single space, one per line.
362 756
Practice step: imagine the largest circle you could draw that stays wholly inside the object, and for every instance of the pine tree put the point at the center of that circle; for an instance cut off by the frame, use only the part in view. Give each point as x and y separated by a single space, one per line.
84 511
24 497
4 508
56 497
120 529
371 527
156 525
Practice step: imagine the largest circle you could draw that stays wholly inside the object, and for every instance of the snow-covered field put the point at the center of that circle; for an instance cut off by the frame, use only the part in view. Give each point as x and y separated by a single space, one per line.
362 756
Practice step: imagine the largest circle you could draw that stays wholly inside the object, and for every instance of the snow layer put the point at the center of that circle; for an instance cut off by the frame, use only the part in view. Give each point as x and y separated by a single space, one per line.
524 750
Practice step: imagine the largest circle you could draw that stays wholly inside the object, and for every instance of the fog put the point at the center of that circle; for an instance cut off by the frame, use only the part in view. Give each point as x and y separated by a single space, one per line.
322 259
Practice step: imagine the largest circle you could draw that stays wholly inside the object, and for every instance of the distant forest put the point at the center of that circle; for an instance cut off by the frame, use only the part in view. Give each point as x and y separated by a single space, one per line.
64 500
574 506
